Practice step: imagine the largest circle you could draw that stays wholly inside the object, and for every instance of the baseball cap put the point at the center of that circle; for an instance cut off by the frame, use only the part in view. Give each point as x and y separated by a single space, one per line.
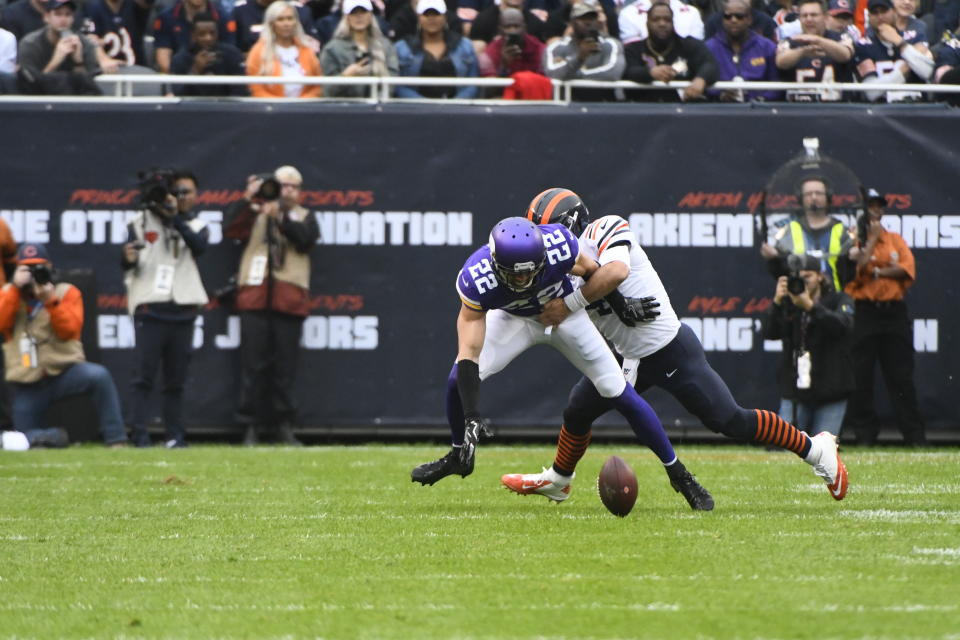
14 441
56 4
807 263
873 194
435 5
29 253
879 3
583 8
840 7
350 5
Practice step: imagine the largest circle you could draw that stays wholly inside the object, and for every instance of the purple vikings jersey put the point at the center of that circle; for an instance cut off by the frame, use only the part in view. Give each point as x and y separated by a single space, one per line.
479 288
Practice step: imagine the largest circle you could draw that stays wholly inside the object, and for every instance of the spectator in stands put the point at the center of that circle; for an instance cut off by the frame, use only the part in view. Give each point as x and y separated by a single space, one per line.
56 61
760 23
742 54
558 20
814 232
164 296
23 17
815 376
905 21
815 55
687 21
840 19
281 52
436 52
787 19
8 62
948 68
488 23
247 18
586 54
358 49
405 21
883 331
946 17
172 28
889 56
273 299
666 56
41 323
513 50
118 27
207 56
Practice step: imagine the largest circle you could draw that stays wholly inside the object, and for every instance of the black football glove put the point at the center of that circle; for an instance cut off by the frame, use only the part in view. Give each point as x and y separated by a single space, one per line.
474 429
633 310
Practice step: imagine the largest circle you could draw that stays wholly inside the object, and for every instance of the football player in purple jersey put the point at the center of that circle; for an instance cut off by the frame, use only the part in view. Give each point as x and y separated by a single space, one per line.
658 350
503 288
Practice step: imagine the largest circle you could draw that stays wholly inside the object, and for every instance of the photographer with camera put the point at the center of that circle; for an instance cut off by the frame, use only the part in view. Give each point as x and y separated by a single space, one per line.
164 294
587 54
273 298
814 322
514 49
41 321
884 332
815 233
208 56
55 60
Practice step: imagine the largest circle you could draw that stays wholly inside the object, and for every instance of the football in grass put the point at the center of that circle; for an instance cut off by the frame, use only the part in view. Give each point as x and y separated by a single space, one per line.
617 485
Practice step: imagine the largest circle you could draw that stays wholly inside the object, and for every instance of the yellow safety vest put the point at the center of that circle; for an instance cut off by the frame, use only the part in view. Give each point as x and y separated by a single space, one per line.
836 237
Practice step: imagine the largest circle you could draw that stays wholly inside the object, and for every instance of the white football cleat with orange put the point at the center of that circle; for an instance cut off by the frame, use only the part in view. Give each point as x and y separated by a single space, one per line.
827 463
548 483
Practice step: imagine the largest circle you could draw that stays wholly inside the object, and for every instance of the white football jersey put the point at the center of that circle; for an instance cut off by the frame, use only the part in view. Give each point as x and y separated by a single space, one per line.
610 238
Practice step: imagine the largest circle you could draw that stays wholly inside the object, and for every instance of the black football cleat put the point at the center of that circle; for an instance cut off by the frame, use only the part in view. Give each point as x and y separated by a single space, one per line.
431 472
686 484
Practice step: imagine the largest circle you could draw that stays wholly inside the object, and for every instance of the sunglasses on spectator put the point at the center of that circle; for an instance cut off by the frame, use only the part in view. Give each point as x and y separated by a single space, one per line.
731 16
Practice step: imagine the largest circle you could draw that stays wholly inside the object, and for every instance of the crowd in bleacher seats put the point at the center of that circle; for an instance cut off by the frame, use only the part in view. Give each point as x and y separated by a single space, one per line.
531 41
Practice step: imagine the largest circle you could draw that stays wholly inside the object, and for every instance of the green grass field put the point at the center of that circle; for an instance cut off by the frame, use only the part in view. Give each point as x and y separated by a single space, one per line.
336 542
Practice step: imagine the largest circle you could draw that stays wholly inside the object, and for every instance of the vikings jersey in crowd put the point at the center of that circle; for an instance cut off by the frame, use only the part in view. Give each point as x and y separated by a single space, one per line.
480 290
120 32
610 238
818 69
871 56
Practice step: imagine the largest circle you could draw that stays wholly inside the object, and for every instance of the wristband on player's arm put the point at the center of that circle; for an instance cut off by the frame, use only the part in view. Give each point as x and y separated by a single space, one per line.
575 301
468 384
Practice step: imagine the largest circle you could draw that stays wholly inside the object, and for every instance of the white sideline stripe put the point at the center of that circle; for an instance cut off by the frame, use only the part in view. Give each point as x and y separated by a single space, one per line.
938 552
905 515
896 608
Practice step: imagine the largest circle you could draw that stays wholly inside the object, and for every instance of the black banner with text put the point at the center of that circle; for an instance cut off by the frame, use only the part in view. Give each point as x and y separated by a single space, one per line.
403 194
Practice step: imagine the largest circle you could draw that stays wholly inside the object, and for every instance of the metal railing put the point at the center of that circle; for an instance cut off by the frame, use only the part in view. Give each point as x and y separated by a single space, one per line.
381 88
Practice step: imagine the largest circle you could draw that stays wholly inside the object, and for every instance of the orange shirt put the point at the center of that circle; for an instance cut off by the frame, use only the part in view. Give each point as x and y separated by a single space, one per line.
66 312
891 249
8 250
308 60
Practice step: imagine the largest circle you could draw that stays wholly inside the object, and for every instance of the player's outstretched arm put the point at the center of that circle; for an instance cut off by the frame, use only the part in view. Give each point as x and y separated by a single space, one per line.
471 330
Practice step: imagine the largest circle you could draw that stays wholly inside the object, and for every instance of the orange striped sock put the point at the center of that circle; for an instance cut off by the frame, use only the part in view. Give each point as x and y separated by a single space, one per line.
772 429
570 449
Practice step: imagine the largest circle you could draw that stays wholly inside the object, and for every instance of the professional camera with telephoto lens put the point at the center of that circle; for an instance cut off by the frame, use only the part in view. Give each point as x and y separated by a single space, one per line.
795 282
269 188
593 34
155 186
41 274
863 226
514 40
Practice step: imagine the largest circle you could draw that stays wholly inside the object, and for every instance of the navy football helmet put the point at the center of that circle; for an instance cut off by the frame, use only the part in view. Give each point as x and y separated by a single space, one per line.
516 246
560 206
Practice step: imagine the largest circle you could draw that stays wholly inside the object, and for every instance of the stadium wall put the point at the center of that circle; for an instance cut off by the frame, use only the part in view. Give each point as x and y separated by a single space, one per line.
403 193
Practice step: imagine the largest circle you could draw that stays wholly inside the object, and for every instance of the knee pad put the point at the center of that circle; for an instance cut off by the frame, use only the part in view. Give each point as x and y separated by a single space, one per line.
610 385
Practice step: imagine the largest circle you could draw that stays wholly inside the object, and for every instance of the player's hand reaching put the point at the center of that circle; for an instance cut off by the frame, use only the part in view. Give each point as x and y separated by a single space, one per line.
473 430
554 312
632 310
